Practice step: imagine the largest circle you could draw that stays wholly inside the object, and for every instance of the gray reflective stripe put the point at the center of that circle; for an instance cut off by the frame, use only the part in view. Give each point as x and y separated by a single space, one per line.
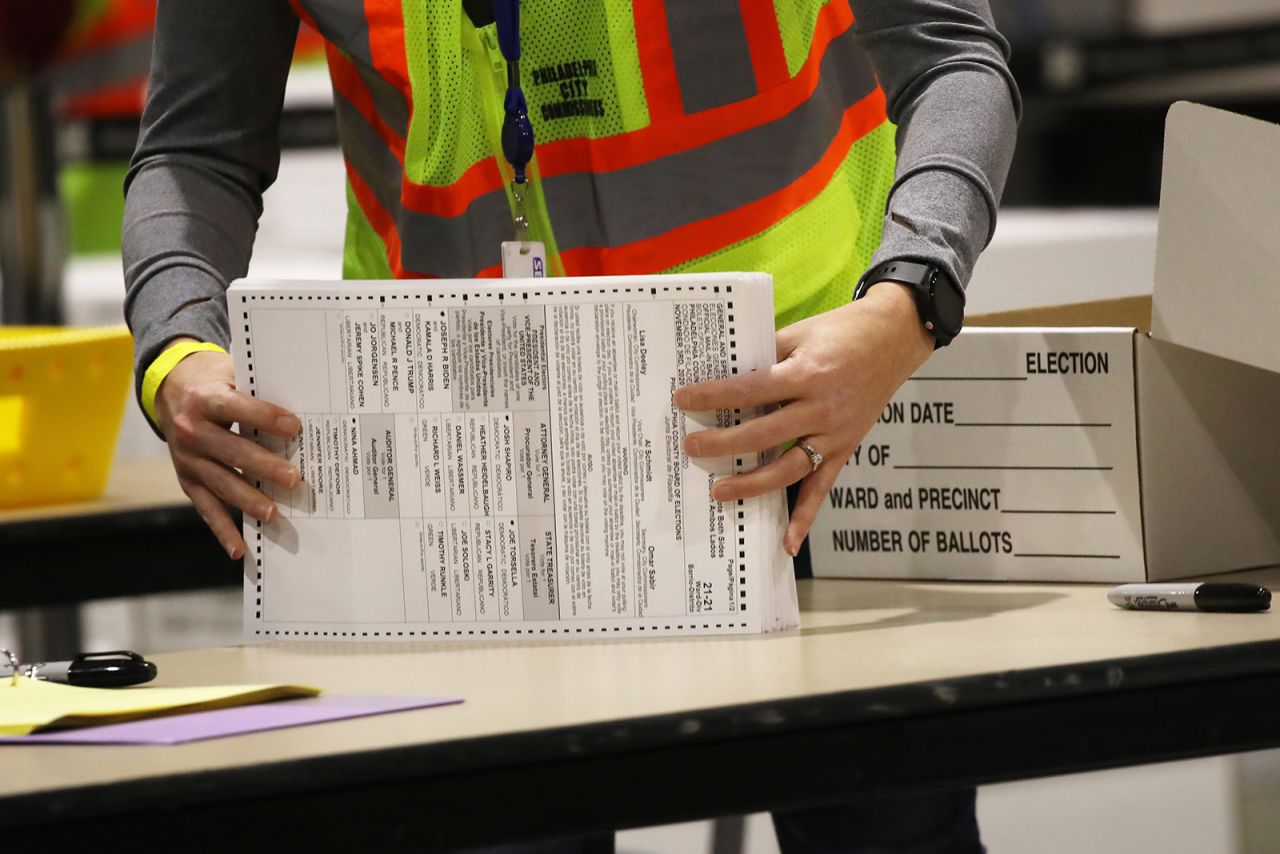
713 62
607 209
368 154
343 23
111 66
387 100
616 208
452 247
457 247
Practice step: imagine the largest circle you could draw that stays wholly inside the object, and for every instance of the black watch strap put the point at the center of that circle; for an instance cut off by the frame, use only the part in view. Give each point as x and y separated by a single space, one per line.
939 302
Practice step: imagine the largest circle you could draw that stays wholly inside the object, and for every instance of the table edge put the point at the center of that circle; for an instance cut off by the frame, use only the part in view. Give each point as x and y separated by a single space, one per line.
687 728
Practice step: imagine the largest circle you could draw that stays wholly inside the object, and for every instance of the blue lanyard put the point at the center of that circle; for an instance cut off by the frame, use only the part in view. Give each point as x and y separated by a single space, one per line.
517 130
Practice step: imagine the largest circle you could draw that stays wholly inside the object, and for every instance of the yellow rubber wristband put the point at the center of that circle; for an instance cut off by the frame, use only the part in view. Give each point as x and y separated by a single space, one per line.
160 368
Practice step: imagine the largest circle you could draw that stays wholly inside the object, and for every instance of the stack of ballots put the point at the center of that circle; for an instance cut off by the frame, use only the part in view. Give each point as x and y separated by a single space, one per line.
503 460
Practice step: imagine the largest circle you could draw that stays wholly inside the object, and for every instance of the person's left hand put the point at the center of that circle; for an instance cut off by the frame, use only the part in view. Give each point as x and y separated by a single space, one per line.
835 374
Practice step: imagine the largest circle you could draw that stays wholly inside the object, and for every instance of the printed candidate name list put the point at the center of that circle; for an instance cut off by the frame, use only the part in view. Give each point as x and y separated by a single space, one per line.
479 463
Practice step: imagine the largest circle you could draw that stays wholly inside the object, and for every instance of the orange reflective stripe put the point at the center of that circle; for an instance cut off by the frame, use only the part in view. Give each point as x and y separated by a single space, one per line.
124 99
310 44
654 141
351 87
122 20
448 246
381 221
103 78
708 235
453 199
657 62
348 83
624 206
305 17
449 200
680 133
452 230
386 43
768 59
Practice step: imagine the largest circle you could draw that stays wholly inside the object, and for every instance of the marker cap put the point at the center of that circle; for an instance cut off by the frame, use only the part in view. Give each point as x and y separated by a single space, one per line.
1235 598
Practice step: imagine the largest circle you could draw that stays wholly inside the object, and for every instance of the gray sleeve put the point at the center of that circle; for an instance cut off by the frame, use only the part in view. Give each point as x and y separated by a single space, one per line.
944 69
209 147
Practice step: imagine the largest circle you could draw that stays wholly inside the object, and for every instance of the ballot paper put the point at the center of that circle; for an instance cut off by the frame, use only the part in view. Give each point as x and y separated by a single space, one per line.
503 459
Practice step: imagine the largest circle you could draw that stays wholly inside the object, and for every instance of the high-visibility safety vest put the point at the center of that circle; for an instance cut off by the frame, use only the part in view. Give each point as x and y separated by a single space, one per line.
672 136
100 73
103 63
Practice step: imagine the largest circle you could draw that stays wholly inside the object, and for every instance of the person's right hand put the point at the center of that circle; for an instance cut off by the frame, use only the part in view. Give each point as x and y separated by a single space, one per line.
195 407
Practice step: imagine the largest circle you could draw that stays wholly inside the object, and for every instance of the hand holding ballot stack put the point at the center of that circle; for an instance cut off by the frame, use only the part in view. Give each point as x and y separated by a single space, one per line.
194 407
519 455
505 460
836 372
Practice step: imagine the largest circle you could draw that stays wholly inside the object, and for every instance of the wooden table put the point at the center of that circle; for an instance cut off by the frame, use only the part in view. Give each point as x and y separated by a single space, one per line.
888 686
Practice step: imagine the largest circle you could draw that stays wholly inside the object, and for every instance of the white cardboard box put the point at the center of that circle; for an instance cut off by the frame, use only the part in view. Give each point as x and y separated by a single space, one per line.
1068 444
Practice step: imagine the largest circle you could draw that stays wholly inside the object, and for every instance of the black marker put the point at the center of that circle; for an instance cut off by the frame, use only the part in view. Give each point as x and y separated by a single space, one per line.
1191 596
91 670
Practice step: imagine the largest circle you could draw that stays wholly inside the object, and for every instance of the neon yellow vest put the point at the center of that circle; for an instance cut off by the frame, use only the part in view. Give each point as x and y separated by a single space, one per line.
717 135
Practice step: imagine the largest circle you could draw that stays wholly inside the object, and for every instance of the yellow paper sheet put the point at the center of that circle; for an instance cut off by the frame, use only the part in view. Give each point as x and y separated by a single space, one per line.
36 706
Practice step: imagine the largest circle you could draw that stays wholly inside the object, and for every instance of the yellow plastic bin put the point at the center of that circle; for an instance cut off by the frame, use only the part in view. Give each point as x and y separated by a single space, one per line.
62 395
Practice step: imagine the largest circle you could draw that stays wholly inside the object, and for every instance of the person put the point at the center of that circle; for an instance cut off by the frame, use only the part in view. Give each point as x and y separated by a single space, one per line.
671 137
98 78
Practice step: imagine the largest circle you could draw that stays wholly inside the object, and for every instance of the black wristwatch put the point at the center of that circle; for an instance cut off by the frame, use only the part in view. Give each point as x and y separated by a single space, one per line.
939 300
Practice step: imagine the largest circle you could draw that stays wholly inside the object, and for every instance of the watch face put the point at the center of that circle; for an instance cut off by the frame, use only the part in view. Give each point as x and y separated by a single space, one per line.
948 304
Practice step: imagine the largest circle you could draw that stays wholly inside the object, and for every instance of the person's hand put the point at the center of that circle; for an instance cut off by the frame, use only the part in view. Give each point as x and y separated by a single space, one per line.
835 374
195 407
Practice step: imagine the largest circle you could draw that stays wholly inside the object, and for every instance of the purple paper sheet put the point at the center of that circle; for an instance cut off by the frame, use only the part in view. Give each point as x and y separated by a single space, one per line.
197 726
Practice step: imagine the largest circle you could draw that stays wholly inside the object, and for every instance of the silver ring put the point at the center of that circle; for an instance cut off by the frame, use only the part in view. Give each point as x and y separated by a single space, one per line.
815 458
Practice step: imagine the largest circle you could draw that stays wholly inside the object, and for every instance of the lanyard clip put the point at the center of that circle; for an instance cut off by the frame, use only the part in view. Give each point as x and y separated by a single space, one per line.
518 191
517 130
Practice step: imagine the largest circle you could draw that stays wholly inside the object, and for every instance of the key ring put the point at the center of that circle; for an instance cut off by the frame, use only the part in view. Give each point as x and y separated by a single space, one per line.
521 220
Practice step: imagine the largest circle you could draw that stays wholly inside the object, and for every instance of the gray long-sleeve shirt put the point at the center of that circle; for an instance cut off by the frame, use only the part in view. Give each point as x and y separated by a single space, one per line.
209 148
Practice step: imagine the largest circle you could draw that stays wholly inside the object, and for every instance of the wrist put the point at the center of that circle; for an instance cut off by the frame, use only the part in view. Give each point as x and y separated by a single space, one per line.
939 301
896 303
154 380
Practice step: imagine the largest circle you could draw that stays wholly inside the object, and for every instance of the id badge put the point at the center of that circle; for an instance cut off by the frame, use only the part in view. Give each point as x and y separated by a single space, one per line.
524 259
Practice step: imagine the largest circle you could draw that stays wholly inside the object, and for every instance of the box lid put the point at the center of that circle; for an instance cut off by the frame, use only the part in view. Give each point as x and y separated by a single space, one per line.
1218 247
